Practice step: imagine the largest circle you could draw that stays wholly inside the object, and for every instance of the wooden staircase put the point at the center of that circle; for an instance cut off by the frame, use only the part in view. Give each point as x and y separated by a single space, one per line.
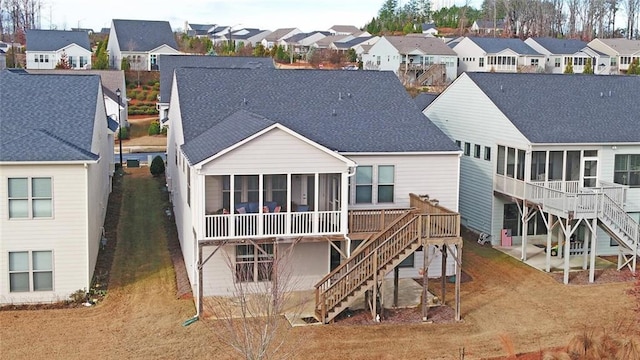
336 291
424 224
434 72
622 227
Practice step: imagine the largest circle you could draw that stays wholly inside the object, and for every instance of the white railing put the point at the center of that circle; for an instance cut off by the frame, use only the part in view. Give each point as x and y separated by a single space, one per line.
614 213
226 226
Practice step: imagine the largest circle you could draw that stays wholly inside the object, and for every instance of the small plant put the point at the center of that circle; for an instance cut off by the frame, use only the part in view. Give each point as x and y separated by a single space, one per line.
157 166
79 296
124 133
164 130
141 96
154 128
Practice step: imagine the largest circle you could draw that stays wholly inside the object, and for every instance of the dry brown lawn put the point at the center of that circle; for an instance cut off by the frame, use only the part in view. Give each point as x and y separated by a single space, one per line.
507 307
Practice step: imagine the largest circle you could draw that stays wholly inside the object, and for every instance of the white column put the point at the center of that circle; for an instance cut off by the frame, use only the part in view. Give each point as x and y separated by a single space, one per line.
594 236
525 230
549 234
260 204
232 205
316 204
344 203
567 251
287 229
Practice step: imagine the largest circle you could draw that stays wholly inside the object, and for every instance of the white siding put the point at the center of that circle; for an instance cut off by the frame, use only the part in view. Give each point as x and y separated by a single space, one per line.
113 48
275 152
65 234
434 174
468 49
388 54
307 264
485 126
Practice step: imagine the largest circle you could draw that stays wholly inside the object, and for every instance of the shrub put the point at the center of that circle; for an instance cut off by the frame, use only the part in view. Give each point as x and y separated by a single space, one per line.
156 86
157 166
133 93
124 132
154 128
141 96
152 96
151 82
164 130
151 110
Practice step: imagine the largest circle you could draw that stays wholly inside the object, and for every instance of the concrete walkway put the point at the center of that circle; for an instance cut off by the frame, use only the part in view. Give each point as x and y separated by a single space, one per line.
537 258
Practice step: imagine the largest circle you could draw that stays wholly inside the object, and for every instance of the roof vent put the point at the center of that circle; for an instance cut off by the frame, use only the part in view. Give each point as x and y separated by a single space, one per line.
502 90
609 93
349 95
601 94
334 113
340 95
244 101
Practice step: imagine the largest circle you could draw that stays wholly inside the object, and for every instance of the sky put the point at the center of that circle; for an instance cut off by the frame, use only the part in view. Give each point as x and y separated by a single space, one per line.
306 15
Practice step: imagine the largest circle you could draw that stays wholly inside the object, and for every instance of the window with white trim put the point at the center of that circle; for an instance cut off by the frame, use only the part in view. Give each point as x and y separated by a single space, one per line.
385 183
476 151
627 170
364 184
254 263
467 148
30 271
30 198
487 153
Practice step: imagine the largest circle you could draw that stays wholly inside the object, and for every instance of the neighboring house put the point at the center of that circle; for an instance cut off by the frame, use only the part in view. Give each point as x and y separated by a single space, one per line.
3 59
302 42
560 52
488 27
416 60
249 36
112 81
538 169
140 42
198 30
266 161
56 166
278 35
355 44
489 54
327 41
429 29
45 48
168 63
345 30
87 30
621 51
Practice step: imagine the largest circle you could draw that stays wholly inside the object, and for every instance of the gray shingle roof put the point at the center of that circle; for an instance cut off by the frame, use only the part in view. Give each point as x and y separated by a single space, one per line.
112 80
428 45
168 63
278 34
143 35
39 122
623 46
424 99
582 109
346 111
351 43
53 40
493 45
560 46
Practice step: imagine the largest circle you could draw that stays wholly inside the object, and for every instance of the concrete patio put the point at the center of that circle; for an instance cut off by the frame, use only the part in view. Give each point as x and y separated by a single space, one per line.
537 258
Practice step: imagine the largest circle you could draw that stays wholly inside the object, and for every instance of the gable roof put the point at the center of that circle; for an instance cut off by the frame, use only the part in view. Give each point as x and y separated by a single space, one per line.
168 63
246 34
428 26
39 122
347 29
278 34
583 108
560 46
493 45
143 35
345 111
53 40
427 45
622 46
351 43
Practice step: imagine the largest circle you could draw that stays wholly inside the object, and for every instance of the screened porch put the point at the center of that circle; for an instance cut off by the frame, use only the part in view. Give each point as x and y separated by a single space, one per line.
268 205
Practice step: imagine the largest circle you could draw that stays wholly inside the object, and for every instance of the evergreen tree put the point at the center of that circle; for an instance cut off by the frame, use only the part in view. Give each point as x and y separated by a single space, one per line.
568 69
588 67
63 63
634 68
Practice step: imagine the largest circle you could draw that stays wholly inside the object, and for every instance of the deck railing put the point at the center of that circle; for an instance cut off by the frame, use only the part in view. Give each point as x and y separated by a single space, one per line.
229 226
373 220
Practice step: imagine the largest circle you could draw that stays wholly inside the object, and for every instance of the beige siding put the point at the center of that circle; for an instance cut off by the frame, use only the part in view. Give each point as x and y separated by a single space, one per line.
306 265
275 152
65 234
433 174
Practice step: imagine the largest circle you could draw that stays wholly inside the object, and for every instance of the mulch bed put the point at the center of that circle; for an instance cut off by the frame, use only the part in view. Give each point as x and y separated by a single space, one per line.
437 315
603 276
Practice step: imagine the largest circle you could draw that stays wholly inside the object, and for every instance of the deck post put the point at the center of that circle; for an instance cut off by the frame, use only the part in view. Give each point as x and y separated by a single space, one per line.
567 250
585 245
458 276
396 277
549 233
443 274
525 226
592 266
425 281
374 301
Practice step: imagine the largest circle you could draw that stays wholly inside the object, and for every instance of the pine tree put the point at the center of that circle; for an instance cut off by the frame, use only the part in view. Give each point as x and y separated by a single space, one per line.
63 63
568 69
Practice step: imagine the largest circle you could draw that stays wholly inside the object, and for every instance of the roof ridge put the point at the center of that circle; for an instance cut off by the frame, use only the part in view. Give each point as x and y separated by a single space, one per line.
67 143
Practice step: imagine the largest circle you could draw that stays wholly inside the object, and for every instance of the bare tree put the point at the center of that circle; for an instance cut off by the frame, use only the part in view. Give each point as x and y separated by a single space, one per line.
251 321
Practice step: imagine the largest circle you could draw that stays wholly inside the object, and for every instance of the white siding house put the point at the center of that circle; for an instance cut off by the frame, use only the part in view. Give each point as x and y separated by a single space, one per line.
46 48
622 52
488 54
55 182
560 52
140 42
235 174
518 147
416 60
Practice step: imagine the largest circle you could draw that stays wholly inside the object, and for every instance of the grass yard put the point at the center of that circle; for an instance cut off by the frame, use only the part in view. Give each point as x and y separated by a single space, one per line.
508 308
